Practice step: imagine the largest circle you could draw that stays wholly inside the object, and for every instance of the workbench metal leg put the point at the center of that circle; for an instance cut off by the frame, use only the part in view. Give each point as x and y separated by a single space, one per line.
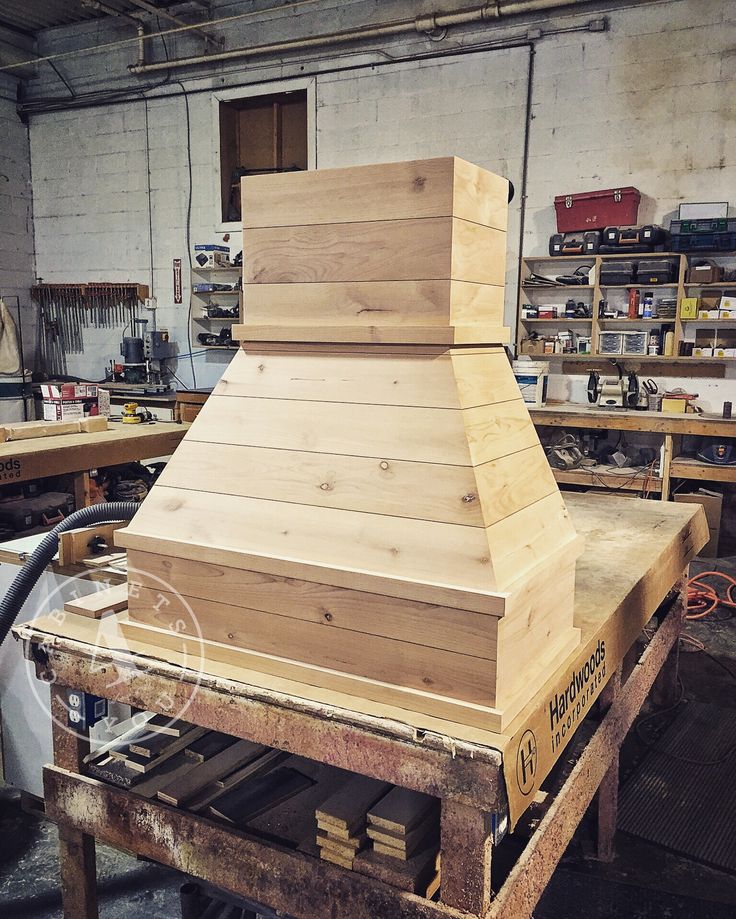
77 862
466 844
608 789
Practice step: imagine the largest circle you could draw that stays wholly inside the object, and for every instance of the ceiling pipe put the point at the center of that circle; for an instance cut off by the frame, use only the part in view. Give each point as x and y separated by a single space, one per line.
108 10
428 24
164 14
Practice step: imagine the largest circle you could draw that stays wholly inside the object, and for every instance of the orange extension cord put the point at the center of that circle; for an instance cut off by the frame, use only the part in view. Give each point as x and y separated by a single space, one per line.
703 598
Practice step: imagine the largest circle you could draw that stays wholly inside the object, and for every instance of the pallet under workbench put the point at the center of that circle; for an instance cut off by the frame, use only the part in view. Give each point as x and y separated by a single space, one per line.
637 553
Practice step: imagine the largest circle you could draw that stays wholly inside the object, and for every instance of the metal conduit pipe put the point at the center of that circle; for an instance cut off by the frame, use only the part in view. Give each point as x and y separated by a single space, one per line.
109 11
495 10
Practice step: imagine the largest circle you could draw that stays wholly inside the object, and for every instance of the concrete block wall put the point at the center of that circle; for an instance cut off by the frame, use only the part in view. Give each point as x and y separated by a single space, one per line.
16 215
648 103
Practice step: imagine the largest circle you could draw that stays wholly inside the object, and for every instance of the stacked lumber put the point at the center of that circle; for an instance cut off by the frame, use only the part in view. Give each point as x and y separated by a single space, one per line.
363 504
341 819
403 823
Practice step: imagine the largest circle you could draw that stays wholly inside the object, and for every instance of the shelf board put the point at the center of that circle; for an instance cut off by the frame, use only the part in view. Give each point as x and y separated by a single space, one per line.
527 286
217 318
719 284
559 321
215 293
711 321
559 258
602 476
199 270
217 347
637 285
673 359
637 321
684 467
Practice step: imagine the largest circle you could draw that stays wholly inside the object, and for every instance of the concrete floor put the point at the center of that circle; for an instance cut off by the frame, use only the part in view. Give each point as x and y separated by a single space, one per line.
644 882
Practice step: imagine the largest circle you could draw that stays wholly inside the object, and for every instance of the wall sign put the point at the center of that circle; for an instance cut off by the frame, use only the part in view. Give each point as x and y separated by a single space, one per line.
177 281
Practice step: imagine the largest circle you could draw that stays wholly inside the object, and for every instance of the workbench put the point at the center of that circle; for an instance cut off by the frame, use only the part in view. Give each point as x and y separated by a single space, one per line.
485 781
76 454
672 427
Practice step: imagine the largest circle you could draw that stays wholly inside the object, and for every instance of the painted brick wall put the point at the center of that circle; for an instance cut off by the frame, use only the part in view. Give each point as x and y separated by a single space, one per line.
648 104
16 215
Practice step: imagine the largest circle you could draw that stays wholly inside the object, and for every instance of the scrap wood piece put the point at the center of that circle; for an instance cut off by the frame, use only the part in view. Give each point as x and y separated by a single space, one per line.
325 841
26 430
176 767
426 833
113 771
180 792
249 799
291 823
175 727
335 858
110 600
204 748
262 764
413 875
104 561
342 836
401 810
433 886
144 764
347 808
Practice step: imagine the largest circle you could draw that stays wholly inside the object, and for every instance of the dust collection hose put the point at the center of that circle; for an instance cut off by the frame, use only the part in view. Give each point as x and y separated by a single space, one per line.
37 561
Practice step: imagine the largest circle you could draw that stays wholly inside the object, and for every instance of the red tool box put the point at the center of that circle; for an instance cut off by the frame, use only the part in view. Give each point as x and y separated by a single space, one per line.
596 210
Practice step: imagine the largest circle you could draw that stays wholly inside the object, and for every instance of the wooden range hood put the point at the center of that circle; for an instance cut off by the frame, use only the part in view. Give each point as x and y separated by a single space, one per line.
363 504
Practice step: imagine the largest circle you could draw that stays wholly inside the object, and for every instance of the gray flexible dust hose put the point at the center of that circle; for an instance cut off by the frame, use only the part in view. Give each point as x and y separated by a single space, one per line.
44 552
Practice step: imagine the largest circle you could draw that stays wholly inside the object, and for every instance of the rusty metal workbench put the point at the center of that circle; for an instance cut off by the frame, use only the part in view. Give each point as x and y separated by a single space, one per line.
636 557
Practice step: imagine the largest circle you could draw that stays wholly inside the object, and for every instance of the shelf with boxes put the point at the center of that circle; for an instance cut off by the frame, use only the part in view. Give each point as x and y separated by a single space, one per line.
649 306
216 300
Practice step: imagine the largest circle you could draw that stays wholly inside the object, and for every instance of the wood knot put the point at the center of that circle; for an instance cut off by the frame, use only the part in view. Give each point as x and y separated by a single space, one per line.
261 368
326 486
419 183
328 617
484 560
469 498
230 636
384 465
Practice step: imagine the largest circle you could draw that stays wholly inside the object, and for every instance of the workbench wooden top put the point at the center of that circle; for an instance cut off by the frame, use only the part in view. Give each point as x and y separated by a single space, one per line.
576 414
635 551
58 454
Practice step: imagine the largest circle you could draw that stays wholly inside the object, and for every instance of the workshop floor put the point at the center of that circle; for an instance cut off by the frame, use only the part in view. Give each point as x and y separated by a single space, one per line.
644 881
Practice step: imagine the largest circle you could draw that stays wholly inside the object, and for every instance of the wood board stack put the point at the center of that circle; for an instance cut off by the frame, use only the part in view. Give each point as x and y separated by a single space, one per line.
363 504
341 819
404 823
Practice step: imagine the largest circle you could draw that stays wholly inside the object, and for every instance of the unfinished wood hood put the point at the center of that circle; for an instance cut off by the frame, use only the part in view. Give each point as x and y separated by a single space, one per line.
364 498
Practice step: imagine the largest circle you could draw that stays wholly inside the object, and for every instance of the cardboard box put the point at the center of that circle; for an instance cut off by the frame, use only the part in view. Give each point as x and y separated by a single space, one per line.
206 256
712 503
689 307
709 314
727 305
69 401
62 411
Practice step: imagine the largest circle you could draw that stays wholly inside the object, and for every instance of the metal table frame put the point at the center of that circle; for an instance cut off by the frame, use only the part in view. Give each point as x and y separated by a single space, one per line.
468 779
